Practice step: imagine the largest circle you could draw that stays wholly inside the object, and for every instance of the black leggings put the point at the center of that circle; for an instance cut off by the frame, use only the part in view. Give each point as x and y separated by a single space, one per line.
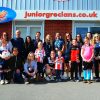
58 73
96 67
6 75
74 68
40 67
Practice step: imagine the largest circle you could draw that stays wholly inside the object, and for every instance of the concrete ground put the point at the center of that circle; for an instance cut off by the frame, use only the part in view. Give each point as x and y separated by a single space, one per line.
51 91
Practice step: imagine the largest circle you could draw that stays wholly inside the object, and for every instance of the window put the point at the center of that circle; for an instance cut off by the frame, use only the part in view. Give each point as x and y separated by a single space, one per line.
23 31
94 30
29 28
82 31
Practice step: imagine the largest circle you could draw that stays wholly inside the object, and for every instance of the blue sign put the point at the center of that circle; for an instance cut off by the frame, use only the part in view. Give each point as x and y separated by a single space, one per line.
6 14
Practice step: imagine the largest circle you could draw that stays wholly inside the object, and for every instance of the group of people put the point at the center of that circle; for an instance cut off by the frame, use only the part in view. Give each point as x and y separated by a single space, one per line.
51 60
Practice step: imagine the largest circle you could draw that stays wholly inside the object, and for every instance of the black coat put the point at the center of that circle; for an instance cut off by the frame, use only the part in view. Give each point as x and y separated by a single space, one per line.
16 63
29 48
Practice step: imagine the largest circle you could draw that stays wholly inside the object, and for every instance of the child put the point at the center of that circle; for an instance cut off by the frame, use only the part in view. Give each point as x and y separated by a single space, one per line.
16 66
39 55
74 59
59 65
87 53
30 68
3 46
5 70
50 66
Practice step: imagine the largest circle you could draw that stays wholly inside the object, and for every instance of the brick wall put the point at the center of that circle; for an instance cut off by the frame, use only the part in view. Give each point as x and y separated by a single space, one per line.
51 27
6 27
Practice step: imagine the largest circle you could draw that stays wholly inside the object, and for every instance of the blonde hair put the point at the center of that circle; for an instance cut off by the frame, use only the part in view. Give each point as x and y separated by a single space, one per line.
28 57
46 38
94 36
40 44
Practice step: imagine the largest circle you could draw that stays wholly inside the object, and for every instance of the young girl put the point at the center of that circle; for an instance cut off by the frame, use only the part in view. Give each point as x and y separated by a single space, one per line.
87 53
68 39
30 68
59 66
5 70
79 43
39 55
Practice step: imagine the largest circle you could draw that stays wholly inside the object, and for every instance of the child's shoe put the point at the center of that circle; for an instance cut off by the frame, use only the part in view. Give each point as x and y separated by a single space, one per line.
26 82
2 82
6 82
89 82
47 78
84 81
52 78
63 77
59 80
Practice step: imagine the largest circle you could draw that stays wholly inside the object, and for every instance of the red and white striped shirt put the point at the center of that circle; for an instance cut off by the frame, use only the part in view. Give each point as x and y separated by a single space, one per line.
39 54
59 63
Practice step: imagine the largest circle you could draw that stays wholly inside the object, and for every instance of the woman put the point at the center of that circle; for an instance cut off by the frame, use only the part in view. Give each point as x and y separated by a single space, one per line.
8 43
49 66
29 47
30 68
48 45
96 43
89 35
58 43
79 43
68 40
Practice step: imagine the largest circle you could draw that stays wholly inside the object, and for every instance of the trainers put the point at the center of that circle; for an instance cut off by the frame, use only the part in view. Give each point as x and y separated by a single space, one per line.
89 82
2 82
85 81
77 80
52 78
47 78
26 82
6 82
59 80
63 77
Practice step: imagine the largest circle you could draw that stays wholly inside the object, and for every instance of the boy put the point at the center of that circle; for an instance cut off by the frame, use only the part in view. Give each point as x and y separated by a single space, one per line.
74 59
16 66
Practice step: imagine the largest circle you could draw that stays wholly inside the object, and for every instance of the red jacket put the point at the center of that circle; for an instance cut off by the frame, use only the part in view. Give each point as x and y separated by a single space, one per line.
74 56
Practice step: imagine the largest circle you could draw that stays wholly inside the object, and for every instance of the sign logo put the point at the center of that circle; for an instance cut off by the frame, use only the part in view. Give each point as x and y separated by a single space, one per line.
6 14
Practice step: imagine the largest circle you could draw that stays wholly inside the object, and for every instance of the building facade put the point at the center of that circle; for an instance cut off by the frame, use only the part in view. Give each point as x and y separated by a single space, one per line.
51 16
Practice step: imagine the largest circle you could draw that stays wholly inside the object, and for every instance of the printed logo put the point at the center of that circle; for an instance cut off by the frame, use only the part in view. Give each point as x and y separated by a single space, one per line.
6 14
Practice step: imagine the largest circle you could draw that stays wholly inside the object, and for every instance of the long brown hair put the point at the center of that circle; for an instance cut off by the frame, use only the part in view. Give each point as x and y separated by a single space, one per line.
46 39
7 35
